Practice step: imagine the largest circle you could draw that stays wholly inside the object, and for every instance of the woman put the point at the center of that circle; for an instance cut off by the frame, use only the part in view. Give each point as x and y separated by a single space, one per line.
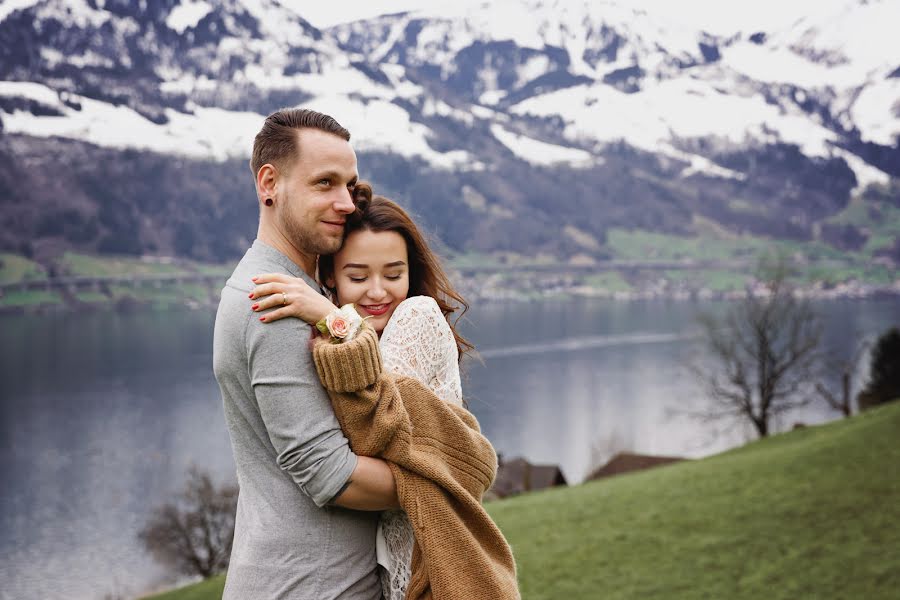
387 271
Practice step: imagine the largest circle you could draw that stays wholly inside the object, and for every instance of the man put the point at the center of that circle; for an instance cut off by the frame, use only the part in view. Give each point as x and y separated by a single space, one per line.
305 520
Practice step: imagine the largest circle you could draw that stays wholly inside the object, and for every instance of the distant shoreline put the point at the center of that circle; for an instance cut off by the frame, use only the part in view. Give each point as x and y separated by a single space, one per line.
470 290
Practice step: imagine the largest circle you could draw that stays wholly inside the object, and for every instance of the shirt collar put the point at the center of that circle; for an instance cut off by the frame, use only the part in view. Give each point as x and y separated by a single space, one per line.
267 251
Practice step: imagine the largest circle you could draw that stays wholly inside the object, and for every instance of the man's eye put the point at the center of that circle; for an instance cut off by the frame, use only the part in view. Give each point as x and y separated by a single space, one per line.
325 182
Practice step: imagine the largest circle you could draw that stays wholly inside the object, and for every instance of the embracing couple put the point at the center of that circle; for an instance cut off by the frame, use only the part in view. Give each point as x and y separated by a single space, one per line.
361 473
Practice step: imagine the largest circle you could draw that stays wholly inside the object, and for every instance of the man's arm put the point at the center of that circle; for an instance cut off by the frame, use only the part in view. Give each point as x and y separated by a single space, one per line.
301 425
370 487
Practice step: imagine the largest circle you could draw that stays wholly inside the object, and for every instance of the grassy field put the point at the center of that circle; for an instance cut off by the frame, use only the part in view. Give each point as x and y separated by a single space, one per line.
809 514
111 266
637 244
14 268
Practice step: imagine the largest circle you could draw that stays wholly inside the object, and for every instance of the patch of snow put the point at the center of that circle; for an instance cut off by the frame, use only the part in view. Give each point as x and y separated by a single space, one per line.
674 109
541 153
533 68
7 7
208 133
88 59
781 65
188 84
700 164
187 14
218 134
381 125
280 23
491 97
865 173
431 107
876 112
483 112
33 91
72 13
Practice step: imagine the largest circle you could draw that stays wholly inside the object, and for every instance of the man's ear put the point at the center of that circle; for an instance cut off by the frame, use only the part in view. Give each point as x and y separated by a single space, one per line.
329 283
266 178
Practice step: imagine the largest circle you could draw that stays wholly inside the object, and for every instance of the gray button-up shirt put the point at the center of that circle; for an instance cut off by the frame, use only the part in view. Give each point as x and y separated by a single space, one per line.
290 454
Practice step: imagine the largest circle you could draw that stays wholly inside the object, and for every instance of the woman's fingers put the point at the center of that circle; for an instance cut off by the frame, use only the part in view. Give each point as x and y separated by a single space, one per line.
275 315
270 277
269 301
267 289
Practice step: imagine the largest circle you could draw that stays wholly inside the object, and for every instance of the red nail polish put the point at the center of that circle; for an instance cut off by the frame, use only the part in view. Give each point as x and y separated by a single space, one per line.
254 307
253 279
262 318
251 295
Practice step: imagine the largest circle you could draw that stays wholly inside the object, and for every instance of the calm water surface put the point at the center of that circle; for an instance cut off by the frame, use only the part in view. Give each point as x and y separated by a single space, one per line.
103 414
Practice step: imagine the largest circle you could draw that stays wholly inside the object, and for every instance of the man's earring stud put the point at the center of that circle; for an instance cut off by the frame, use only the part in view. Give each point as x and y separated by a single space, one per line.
269 202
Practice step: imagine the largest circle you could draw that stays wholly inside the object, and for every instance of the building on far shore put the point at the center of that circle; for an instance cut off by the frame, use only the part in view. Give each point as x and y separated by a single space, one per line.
625 462
518 475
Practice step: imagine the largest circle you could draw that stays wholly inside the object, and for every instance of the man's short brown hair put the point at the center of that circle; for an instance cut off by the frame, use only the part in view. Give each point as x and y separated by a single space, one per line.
276 142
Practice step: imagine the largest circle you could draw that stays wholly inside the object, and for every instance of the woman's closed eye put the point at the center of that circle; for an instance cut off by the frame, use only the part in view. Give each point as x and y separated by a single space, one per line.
360 279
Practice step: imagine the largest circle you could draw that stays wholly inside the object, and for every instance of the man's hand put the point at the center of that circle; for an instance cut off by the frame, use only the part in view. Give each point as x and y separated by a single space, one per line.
371 487
295 297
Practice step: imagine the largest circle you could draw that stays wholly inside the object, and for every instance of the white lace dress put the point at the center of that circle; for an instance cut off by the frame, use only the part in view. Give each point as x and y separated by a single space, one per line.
417 342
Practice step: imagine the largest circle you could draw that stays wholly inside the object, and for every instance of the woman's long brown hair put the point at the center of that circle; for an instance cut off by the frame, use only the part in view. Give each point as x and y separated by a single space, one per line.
426 276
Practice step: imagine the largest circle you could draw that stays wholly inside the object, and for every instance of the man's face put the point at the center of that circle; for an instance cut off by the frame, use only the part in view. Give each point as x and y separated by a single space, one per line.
313 196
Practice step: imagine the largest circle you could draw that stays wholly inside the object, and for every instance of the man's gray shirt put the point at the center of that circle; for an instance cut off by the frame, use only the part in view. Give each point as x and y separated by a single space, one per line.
290 454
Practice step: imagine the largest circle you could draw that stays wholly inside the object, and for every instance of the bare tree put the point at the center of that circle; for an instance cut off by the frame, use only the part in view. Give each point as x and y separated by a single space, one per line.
847 369
193 535
764 353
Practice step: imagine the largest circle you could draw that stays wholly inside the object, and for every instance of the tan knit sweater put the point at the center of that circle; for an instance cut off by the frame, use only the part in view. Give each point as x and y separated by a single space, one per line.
442 465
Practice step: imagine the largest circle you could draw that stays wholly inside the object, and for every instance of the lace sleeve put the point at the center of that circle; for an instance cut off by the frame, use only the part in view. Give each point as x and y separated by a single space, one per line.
418 342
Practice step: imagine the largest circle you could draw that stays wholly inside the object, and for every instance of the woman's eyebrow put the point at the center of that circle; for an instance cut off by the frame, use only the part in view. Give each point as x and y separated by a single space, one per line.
397 263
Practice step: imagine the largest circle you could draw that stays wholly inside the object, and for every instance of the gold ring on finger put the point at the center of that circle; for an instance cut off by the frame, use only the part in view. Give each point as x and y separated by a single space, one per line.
283 298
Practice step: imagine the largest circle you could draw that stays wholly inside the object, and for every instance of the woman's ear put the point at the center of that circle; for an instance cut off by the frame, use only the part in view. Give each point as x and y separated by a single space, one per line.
329 283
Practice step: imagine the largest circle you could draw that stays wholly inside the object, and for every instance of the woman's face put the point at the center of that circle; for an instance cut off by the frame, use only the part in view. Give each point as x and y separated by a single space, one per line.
371 270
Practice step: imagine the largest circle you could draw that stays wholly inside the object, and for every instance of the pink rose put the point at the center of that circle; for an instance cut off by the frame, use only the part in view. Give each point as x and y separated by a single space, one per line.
338 325
341 323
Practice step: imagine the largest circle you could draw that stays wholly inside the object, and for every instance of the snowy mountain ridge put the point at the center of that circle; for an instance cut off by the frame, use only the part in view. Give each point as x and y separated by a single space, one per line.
644 71
679 107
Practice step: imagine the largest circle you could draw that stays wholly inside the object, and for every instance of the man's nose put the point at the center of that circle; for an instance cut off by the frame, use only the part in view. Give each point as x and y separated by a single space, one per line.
344 203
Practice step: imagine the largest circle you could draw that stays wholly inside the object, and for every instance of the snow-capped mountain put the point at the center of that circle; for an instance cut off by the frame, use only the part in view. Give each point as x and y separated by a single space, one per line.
501 124
818 75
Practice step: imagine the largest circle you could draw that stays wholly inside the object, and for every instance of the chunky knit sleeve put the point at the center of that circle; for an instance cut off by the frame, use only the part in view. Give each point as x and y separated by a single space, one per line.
442 466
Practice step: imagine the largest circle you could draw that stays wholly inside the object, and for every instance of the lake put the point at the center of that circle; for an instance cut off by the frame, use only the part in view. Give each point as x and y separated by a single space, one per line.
102 414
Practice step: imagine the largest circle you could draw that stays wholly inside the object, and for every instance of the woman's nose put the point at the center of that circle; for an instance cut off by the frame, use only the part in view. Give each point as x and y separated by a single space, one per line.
376 292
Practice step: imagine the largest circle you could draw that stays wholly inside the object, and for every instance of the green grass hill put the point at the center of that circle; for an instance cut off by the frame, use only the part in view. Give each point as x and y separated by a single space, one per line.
814 513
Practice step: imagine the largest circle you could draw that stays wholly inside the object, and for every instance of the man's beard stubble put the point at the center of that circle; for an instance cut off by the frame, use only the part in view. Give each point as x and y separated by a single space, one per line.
309 242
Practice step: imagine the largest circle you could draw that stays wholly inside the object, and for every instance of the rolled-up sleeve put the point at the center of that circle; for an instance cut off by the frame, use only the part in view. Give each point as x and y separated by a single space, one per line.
295 408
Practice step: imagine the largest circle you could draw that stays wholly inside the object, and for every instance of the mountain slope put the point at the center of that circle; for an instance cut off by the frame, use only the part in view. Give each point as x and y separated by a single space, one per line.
501 125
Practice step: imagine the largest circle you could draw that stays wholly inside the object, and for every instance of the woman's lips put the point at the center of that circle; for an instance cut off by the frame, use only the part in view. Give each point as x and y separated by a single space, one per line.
375 309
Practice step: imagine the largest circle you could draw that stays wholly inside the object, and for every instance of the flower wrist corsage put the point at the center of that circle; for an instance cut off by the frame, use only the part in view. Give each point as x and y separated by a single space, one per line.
341 324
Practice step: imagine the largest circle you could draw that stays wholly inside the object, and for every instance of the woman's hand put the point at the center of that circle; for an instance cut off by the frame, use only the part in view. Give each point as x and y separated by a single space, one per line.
295 297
